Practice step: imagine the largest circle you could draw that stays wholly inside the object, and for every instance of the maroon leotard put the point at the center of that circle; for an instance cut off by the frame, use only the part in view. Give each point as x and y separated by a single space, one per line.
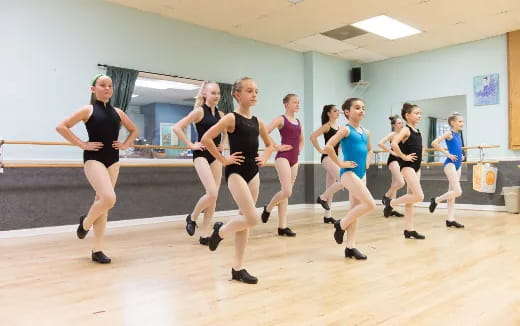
290 134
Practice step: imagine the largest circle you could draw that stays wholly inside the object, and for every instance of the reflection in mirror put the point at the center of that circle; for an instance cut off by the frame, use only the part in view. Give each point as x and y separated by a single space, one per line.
434 123
157 104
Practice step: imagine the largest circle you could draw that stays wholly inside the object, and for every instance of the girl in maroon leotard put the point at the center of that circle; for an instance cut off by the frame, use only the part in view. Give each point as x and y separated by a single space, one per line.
286 161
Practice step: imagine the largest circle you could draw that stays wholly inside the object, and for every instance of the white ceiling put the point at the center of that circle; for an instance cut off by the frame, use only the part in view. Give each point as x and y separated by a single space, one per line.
298 26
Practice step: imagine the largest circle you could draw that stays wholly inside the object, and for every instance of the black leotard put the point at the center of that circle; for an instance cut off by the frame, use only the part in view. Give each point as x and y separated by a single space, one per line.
103 126
328 135
202 126
244 139
412 145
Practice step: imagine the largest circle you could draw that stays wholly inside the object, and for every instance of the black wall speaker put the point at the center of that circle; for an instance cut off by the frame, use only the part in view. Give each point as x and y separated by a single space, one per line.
355 75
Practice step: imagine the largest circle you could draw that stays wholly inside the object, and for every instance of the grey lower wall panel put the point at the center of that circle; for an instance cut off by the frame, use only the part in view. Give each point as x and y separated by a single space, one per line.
35 197
508 175
32 198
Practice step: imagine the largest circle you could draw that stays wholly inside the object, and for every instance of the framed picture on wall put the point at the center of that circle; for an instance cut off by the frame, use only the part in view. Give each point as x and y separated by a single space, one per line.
485 89
166 134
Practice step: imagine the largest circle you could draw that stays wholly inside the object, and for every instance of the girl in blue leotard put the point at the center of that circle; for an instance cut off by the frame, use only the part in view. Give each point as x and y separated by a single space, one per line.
452 166
357 151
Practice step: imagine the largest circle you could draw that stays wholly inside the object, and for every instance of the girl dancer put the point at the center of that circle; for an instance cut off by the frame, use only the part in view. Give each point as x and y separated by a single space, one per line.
205 114
286 162
101 156
356 148
392 163
329 121
407 144
241 170
452 166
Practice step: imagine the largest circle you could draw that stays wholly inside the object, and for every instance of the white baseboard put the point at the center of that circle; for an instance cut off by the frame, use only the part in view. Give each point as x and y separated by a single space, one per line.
469 207
174 218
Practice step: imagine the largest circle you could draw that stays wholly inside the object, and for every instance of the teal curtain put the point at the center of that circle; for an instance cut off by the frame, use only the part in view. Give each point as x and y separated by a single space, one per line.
432 134
463 151
123 81
226 100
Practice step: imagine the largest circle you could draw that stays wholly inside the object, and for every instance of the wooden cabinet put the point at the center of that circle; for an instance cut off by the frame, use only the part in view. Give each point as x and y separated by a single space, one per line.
513 66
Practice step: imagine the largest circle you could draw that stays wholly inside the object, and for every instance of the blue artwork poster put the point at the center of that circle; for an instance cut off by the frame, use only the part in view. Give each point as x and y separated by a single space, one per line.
485 89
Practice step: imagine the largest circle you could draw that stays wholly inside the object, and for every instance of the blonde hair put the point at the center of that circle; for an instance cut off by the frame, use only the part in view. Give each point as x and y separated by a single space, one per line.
453 116
200 99
288 97
237 85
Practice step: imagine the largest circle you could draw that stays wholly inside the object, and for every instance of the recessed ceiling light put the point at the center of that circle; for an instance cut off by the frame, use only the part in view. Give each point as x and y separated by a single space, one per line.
134 95
386 27
295 1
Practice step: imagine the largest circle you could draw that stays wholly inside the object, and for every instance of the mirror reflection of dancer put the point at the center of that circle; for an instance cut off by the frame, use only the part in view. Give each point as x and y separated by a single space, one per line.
241 171
407 144
392 163
452 165
205 115
357 154
329 127
101 156
286 161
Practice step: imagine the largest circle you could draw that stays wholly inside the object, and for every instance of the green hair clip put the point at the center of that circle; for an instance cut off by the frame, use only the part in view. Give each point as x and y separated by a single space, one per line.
96 77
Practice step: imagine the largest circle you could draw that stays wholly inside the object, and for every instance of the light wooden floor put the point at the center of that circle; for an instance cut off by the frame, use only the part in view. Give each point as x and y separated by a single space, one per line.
160 276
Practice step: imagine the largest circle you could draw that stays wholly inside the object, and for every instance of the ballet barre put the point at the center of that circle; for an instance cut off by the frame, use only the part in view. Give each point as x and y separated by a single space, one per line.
426 151
66 164
56 143
428 164
35 164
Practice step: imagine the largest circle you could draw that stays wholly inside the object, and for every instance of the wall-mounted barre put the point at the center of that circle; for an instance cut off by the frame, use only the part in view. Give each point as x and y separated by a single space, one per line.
55 143
426 151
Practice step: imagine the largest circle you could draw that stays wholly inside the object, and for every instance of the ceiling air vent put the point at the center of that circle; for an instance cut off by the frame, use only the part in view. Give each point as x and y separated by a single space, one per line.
344 33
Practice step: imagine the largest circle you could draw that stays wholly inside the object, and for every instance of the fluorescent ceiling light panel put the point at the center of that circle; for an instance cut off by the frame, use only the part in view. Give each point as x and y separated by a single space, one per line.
386 27
164 84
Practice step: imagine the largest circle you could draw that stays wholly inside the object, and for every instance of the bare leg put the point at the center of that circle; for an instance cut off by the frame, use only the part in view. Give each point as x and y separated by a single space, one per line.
361 203
241 192
414 195
454 184
101 223
282 205
364 202
100 179
209 212
454 190
332 182
241 237
208 177
352 228
284 174
397 180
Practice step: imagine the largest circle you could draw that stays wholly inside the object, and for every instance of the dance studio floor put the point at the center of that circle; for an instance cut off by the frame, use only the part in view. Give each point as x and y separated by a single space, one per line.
161 276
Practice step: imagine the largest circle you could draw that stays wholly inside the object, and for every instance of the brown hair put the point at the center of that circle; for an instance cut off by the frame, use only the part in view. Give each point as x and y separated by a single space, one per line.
93 98
288 97
393 120
348 103
407 109
237 85
324 114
